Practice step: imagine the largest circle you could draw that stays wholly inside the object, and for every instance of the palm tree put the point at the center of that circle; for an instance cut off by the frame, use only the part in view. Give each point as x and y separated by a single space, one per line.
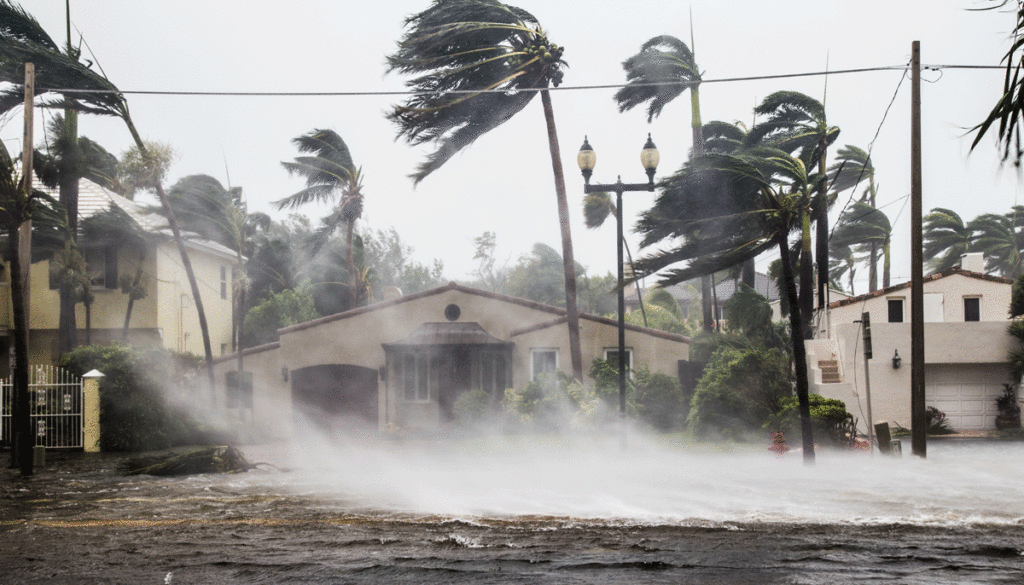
853 166
205 207
329 172
797 122
73 86
596 208
1006 114
1000 238
841 262
741 205
663 69
865 228
946 239
476 64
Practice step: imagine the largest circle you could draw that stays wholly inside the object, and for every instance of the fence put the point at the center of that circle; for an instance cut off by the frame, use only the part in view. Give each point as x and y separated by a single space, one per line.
56 406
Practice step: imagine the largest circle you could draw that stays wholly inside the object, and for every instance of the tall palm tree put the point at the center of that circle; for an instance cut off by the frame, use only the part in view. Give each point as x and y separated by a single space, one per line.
660 72
852 169
330 176
946 238
841 262
797 123
1006 115
205 207
65 83
867 229
596 209
476 64
741 205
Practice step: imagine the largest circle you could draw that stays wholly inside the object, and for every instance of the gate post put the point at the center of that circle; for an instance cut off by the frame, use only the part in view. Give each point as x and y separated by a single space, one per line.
91 411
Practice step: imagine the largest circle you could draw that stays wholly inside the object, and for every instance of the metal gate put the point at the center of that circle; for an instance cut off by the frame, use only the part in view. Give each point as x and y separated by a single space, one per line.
55 401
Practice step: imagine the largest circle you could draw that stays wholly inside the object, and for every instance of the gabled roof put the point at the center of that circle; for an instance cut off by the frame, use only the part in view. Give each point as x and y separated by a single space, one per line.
558 313
930 278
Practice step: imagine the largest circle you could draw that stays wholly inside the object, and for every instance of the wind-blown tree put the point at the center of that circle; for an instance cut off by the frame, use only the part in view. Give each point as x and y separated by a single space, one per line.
853 168
946 238
865 229
663 69
841 263
1005 116
476 63
205 207
1001 239
596 209
797 123
62 82
741 205
331 176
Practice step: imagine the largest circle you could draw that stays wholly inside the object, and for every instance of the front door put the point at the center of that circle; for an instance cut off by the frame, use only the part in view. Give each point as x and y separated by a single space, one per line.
454 377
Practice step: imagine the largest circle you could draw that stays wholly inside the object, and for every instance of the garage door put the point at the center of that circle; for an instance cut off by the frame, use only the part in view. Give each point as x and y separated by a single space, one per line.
966 393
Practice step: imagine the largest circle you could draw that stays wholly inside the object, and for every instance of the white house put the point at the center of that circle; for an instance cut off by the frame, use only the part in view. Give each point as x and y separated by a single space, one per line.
966 348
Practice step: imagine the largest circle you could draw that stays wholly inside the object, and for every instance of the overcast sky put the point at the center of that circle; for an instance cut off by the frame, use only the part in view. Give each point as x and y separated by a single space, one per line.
503 182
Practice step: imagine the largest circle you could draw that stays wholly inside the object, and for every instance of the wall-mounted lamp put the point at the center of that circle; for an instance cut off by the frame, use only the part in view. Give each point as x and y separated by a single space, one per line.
896 359
284 373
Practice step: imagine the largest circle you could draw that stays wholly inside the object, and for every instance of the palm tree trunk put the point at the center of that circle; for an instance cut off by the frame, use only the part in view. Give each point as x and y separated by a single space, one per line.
568 260
696 126
799 351
67 337
353 279
873 268
821 238
21 451
885 265
806 299
749 276
185 262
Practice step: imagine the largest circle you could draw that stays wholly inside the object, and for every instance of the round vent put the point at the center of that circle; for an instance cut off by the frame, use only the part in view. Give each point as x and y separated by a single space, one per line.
452 312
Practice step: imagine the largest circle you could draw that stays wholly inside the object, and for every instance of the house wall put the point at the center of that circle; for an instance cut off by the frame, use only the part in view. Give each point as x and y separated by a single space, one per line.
270 417
176 311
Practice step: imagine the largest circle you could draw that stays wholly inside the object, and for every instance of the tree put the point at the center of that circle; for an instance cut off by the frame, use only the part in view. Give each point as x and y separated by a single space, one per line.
330 176
797 122
205 207
946 238
537 277
853 166
865 229
498 58
1001 239
597 207
288 307
388 262
1006 114
488 275
741 205
663 69
76 87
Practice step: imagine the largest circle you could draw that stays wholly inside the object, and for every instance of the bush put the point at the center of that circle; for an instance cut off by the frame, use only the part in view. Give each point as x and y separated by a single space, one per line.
473 406
740 389
552 402
134 410
652 397
831 424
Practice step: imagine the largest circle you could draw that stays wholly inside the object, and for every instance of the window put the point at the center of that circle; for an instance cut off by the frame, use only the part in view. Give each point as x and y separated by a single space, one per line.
543 360
101 265
972 308
895 310
611 355
223 282
492 374
415 376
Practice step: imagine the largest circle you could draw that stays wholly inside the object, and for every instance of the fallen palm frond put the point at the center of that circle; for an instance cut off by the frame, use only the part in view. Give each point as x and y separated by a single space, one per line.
223 459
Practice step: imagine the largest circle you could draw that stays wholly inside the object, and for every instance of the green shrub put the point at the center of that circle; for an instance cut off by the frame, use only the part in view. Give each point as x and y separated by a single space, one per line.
473 406
652 397
831 424
552 402
134 411
740 389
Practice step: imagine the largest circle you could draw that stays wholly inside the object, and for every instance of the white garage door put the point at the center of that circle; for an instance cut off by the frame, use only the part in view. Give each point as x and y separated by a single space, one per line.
966 393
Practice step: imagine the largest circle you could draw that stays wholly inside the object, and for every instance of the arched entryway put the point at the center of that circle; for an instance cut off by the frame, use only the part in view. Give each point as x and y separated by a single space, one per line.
328 393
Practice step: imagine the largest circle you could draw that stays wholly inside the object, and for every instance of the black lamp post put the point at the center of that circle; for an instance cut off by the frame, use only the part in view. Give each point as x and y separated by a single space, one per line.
649 158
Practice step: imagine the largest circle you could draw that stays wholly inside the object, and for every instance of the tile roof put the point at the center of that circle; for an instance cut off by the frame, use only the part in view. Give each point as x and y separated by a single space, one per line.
931 277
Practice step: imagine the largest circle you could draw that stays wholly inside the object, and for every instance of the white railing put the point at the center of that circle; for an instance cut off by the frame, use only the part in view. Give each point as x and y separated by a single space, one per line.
55 401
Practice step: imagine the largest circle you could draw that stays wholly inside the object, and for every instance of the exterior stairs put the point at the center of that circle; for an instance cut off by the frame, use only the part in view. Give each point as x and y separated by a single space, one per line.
829 371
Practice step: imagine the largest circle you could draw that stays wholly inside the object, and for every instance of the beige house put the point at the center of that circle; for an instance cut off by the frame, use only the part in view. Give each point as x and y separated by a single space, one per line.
401 364
966 348
166 316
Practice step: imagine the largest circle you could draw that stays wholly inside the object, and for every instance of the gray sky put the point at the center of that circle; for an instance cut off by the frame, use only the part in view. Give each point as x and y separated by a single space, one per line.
503 182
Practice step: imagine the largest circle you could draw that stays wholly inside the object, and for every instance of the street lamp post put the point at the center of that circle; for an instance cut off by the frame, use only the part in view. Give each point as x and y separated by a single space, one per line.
587 159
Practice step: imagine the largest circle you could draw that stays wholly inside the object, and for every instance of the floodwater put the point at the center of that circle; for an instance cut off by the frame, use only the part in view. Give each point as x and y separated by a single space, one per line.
526 512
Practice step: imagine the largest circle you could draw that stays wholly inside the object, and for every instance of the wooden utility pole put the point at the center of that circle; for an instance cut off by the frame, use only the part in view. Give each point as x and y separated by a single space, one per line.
918 415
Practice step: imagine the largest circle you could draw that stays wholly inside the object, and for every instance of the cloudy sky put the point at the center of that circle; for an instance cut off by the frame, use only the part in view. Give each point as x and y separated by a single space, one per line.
503 182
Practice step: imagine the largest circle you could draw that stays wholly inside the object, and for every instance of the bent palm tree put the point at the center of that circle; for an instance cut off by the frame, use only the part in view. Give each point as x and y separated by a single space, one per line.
1001 239
852 167
797 122
328 173
663 69
739 206
477 63
946 238
866 229
65 83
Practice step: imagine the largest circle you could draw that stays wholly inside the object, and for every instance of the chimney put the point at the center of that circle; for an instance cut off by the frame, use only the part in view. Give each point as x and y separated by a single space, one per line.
973 262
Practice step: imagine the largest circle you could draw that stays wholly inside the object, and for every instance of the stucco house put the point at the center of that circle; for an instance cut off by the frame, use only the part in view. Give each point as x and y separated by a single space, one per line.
402 363
167 315
966 348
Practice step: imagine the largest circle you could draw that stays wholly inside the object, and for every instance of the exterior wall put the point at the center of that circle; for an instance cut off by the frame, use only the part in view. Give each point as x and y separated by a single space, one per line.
270 417
176 312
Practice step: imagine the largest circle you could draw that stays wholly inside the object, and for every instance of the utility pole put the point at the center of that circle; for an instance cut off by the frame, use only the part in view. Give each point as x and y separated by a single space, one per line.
865 319
918 415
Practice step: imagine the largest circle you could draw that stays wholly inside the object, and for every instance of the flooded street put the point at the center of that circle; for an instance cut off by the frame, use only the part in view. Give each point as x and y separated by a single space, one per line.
525 513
